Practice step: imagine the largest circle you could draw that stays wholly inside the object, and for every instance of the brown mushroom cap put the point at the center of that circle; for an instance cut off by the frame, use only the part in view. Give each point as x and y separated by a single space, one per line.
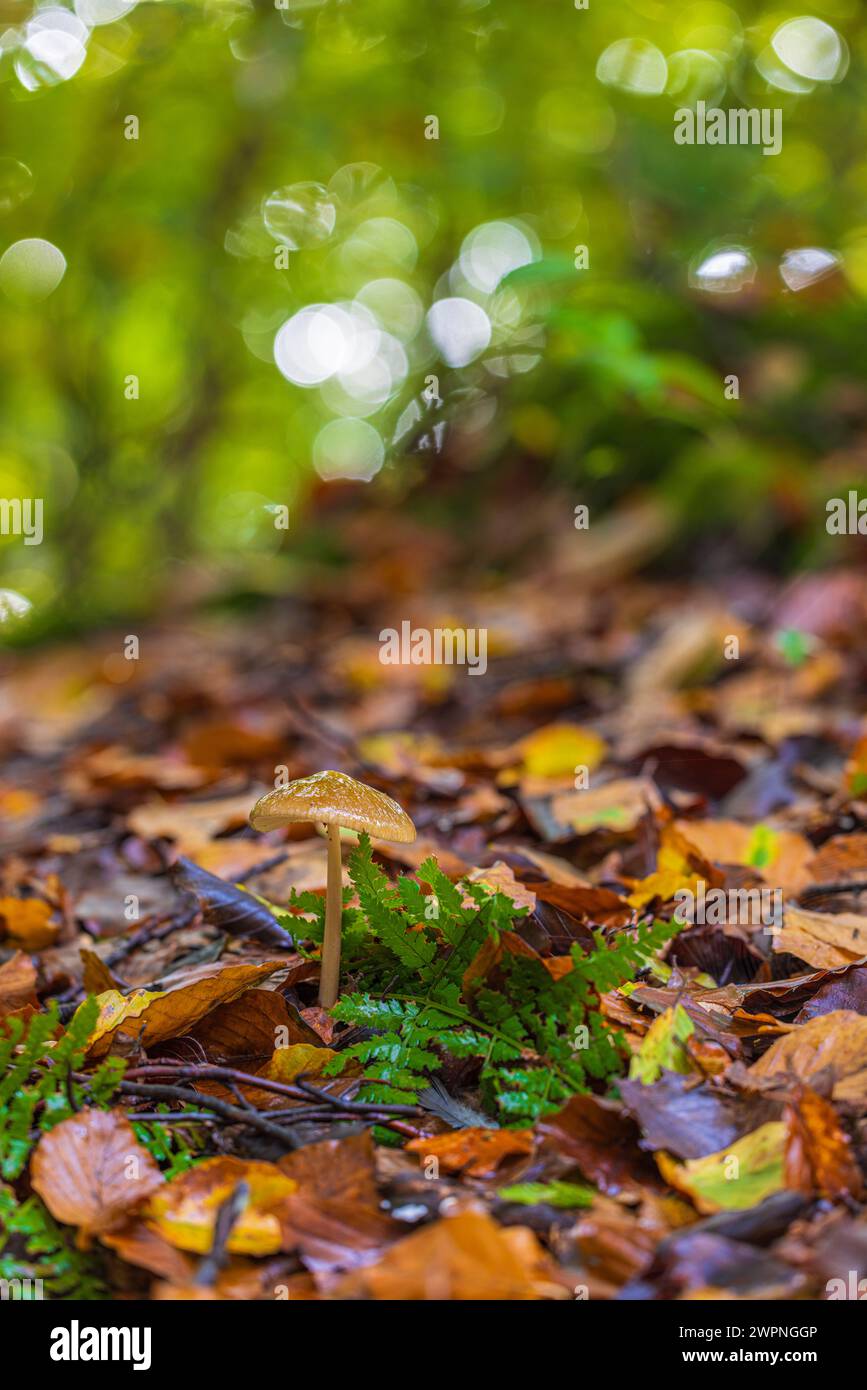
332 798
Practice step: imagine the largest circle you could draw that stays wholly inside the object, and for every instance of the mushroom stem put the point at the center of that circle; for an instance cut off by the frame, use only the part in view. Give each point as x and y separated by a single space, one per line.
329 975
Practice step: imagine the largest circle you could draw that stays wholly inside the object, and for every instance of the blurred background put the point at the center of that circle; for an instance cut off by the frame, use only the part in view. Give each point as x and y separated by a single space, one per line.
271 274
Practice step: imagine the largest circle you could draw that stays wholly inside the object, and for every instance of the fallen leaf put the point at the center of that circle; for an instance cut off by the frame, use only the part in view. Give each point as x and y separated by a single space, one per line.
27 921
822 939
819 1154
780 857
467 1257
477 1153
190 824
600 1138
617 806
91 1171
298 1060
840 858
184 1210
664 1047
835 1043
689 1120
741 1176
499 878
17 984
250 1027
152 1016
557 751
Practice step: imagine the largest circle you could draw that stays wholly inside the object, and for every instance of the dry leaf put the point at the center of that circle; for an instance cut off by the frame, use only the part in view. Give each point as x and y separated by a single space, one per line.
152 1016
27 921
17 984
477 1153
466 1257
91 1171
819 1154
835 1043
823 939
185 1210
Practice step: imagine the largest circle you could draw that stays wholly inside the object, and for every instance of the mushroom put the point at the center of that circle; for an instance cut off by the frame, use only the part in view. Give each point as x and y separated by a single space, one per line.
333 799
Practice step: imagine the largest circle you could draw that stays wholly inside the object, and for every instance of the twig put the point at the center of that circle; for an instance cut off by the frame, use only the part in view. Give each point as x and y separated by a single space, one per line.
301 1090
227 1215
221 1107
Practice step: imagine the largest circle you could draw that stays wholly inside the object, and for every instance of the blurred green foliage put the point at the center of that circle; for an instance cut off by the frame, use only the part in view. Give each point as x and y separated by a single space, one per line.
182 265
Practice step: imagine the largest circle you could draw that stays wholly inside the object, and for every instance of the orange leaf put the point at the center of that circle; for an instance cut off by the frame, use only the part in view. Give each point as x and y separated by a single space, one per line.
465 1257
27 921
818 1151
477 1153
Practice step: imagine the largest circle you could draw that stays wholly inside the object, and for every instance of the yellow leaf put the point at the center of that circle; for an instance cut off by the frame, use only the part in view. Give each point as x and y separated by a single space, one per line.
300 1058
663 1047
736 1178
556 750
184 1210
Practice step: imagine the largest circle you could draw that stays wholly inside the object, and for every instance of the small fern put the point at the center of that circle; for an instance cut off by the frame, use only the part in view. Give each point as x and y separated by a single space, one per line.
37 1088
39 1259
538 1039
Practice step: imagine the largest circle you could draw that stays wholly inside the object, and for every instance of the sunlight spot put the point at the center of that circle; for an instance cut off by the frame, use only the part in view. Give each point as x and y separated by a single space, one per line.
460 330
349 448
31 270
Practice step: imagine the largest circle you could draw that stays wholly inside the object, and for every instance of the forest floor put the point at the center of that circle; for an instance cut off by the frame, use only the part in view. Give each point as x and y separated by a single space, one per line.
521 1095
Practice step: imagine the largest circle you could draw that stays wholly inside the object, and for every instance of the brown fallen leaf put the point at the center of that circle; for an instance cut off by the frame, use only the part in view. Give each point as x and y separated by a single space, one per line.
467 1257
819 1154
191 824
97 977
17 984
835 1043
840 858
152 1016
251 1027
499 878
91 1171
477 1153
780 857
184 1211
600 1138
617 806
142 1245
823 939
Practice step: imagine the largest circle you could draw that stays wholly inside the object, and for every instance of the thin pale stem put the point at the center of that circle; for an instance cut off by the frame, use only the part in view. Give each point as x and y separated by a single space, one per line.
329 978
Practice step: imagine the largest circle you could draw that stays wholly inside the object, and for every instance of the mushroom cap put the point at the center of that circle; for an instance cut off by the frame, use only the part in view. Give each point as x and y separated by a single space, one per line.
333 798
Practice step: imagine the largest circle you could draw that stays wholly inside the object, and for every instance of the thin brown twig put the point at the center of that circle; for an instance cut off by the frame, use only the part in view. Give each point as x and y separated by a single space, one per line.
232 1113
